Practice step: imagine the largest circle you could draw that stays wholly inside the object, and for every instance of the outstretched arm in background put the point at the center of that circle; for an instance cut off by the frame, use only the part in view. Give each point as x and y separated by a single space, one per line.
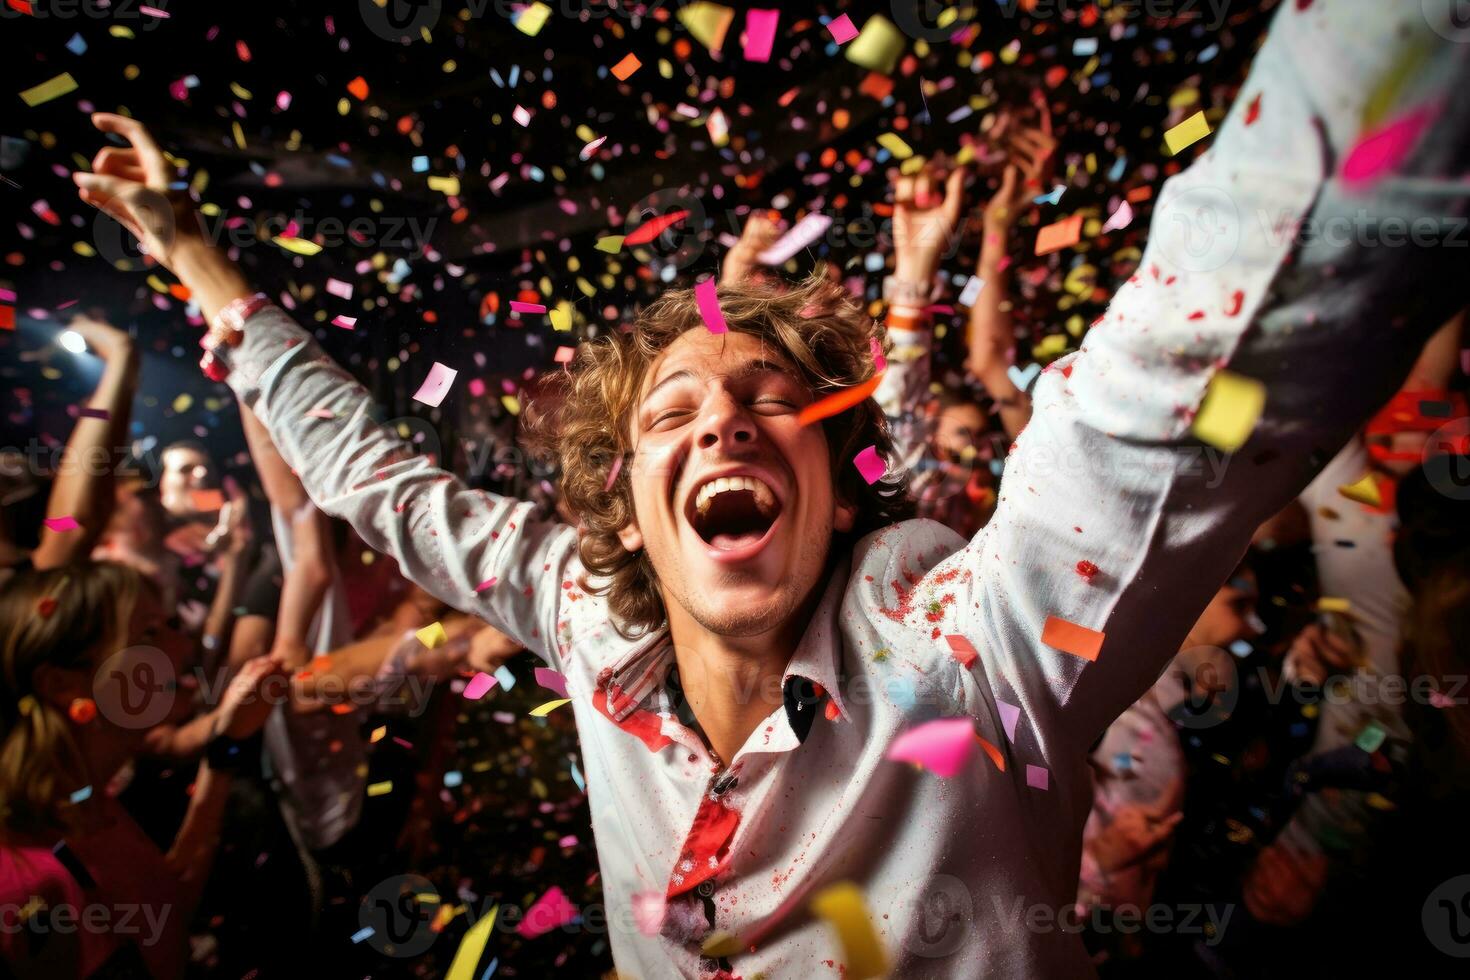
84 487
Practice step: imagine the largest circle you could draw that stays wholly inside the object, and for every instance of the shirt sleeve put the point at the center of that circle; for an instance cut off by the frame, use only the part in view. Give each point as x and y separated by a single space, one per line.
477 551
1115 523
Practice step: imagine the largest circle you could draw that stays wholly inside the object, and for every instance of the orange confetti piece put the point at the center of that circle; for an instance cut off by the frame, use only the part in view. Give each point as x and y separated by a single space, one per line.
1071 638
963 650
993 752
1062 234
359 88
626 67
839 402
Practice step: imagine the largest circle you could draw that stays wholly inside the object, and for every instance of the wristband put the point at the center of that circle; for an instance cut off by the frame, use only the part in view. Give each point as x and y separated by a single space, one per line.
229 323
908 293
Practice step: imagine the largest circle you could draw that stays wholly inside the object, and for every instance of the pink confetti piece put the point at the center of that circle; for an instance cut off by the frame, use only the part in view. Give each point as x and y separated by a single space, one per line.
1038 777
321 413
283 101
518 307
880 363
339 288
803 233
570 840
1120 218
1439 699
521 115
1010 714
591 148
612 477
345 322
59 524
841 29
436 385
565 355
648 912
1381 151
153 12
479 686
551 680
760 33
942 747
870 464
486 585
549 912
709 306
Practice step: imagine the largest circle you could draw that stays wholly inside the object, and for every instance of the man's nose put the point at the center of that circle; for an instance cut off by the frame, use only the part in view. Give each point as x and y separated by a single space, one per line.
724 424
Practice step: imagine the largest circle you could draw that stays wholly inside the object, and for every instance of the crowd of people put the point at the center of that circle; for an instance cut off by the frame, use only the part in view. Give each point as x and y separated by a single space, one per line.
312 719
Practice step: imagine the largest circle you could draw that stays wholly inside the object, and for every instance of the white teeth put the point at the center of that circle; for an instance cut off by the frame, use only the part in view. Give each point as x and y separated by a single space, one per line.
764 498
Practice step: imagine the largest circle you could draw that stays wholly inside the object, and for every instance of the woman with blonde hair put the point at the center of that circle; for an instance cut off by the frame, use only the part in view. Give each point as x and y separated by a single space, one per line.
86 660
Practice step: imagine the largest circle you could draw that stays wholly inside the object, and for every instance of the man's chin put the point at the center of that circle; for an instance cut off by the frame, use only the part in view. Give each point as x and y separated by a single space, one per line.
732 604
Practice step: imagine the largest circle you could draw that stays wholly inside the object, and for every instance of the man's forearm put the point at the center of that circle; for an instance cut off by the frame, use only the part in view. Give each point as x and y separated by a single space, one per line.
990 336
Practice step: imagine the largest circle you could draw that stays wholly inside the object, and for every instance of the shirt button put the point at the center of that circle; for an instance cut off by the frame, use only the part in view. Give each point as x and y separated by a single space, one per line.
706 888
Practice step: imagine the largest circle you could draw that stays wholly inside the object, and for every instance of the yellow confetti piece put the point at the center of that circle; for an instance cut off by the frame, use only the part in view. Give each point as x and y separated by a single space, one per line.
472 947
532 19
53 89
542 710
708 22
380 789
378 734
446 185
512 404
843 907
1187 133
1231 408
721 943
561 319
877 46
894 144
1334 604
1364 491
182 403
298 246
432 636
611 244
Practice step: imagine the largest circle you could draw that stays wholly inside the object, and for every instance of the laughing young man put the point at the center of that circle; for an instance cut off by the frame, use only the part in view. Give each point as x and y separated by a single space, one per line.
743 631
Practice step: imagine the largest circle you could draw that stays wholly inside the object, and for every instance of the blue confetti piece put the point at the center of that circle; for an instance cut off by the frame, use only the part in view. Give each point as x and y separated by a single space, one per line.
1084 46
506 678
453 778
490 970
577 778
1119 166
362 934
1123 761
81 795
515 75
1240 648
1208 54
77 45
420 164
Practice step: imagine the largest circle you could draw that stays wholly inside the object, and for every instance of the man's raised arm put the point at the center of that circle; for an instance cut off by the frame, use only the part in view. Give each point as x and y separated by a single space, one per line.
477 551
1149 459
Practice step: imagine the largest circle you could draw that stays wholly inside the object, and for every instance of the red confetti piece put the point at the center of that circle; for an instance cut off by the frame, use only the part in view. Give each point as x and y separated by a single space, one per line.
651 229
963 650
1086 569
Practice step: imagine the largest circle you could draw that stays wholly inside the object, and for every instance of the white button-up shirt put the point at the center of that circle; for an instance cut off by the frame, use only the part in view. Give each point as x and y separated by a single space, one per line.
965 876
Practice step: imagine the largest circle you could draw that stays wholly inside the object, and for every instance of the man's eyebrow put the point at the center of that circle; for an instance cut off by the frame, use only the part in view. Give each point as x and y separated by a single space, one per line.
752 367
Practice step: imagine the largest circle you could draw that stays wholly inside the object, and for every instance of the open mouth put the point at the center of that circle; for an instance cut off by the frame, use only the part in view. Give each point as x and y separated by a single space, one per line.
736 512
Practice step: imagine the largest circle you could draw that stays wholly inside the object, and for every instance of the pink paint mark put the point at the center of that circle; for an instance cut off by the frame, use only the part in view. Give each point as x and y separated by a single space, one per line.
1383 150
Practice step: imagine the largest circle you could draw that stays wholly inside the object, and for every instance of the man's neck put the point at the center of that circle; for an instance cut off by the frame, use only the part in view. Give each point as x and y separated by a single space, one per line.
732 683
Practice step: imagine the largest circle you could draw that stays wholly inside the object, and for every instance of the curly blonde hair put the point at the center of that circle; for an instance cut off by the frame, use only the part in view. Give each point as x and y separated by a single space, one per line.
818 327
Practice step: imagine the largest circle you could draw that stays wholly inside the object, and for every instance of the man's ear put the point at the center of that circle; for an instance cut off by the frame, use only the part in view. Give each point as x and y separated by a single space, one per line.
631 537
845 517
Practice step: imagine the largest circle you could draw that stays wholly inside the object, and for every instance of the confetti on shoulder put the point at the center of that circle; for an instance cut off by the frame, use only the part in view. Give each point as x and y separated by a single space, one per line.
1080 641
